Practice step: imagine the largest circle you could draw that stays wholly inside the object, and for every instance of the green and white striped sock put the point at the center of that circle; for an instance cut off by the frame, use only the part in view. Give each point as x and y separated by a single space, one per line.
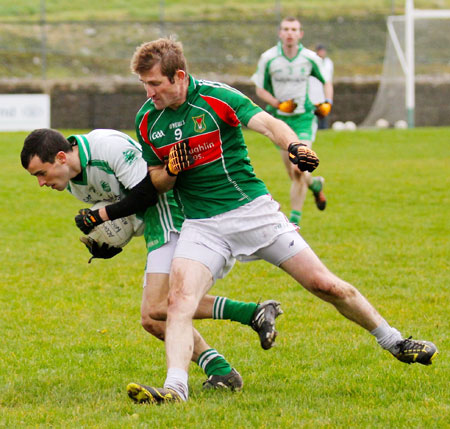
236 311
213 363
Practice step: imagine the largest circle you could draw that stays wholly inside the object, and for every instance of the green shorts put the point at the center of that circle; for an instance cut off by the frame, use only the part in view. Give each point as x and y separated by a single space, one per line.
304 125
161 220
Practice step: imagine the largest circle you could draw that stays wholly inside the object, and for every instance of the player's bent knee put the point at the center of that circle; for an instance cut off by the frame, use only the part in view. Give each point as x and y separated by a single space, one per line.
153 327
181 304
158 312
296 174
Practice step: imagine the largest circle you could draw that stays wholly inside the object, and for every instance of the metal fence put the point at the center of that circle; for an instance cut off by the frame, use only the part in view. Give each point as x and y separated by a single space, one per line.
71 49
104 48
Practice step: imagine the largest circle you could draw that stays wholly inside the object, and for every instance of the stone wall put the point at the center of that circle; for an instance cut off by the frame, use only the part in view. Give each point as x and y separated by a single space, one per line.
113 103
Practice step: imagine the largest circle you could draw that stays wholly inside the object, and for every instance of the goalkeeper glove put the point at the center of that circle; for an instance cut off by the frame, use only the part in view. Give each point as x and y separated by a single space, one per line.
287 106
103 252
87 220
323 109
179 158
303 157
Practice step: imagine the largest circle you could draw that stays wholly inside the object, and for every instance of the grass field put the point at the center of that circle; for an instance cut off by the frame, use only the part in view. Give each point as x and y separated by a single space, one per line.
219 9
71 336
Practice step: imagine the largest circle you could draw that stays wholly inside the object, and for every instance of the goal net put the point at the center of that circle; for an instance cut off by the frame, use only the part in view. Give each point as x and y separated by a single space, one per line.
416 58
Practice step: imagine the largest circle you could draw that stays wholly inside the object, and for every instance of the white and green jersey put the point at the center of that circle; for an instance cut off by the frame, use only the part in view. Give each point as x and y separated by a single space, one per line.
221 178
111 164
288 78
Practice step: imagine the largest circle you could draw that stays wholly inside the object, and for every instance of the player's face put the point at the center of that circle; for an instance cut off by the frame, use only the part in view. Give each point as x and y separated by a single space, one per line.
322 53
161 90
54 175
290 33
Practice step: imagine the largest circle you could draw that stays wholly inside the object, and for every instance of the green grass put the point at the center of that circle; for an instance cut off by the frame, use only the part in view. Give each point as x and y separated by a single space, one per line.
217 9
71 338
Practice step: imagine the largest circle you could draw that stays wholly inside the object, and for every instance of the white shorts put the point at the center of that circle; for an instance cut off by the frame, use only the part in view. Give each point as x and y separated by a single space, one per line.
257 230
160 260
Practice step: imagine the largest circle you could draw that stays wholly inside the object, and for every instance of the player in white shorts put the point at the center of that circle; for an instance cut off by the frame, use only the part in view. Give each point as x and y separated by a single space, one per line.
107 165
257 230
191 132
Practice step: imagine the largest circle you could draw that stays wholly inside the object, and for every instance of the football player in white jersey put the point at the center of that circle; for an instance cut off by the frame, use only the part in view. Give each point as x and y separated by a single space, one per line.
282 80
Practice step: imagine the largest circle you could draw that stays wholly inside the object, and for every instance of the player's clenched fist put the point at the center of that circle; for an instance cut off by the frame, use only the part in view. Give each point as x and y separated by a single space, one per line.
323 109
87 220
303 157
179 158
287 106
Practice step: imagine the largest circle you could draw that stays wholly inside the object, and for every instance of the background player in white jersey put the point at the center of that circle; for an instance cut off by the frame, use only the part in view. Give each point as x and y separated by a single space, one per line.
316 92
107 165
282 80
228 210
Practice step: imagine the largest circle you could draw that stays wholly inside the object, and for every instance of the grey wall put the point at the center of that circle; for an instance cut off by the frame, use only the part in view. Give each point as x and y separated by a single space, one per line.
110 103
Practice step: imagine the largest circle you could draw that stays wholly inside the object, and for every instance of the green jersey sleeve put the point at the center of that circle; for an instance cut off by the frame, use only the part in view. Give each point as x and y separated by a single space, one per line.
232 105
317 69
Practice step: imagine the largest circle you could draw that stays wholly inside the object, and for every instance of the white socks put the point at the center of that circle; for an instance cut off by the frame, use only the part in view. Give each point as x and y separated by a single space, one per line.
387 337
177 379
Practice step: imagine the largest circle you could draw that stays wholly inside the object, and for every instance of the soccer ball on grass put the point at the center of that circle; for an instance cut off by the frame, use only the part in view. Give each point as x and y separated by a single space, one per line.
350 126
338 126
382 123
401 124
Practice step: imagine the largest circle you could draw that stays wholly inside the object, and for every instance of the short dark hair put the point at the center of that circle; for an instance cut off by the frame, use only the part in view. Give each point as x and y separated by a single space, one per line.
45 143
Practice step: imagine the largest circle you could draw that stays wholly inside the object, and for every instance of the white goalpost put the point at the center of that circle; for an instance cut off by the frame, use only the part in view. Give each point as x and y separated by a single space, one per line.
396 98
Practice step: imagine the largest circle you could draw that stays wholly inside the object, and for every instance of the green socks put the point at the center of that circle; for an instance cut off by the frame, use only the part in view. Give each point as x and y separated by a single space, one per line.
295 216
236 311
213 363
316 185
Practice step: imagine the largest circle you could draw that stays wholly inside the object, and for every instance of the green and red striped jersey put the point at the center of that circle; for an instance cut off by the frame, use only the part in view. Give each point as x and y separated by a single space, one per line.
211 119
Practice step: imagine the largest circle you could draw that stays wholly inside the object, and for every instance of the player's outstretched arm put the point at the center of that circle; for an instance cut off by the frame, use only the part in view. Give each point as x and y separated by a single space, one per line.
282 135
277 131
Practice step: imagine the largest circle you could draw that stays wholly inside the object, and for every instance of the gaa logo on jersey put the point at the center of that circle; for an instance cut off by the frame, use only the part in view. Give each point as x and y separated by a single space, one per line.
199 123
158 134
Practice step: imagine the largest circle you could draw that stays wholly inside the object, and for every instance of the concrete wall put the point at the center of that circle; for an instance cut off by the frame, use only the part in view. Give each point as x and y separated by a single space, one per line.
109 103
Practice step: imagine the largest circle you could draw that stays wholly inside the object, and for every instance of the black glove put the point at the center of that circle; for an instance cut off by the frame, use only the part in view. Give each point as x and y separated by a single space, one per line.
180 158
87 220
303 157
103 252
